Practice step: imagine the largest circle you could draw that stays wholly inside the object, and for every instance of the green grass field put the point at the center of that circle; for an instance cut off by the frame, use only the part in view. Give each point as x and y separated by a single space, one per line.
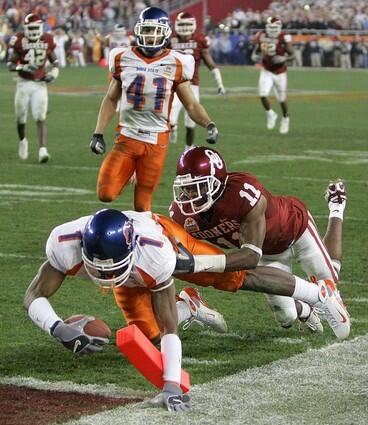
328 139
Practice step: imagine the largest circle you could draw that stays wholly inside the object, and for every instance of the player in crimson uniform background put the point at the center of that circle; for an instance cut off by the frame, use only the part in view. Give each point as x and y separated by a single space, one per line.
195 44
274 47
29 52
145 78
234 210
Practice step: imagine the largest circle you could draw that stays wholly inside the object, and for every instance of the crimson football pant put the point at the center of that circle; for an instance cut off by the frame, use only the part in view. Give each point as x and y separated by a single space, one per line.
135 303
126 157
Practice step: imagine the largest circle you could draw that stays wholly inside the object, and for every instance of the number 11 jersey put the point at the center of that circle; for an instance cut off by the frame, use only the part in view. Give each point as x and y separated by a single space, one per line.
286 216
148 86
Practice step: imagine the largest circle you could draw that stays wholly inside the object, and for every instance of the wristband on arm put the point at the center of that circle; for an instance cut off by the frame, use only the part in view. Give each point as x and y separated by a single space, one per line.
42 314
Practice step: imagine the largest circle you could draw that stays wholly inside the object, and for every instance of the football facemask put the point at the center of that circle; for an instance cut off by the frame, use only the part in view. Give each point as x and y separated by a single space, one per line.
107 273
185 24
152 29
33 27
273 27
196 195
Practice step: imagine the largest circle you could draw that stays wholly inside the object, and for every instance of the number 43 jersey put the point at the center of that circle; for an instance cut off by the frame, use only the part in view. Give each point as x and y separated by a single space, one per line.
286 216
148 86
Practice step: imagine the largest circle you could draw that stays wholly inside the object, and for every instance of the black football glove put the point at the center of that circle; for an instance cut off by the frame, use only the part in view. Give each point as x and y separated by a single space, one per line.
73 337
172 399
184 260
212 133
97 144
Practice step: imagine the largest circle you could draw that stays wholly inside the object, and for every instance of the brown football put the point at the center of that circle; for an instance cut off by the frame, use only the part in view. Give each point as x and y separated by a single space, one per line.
96 327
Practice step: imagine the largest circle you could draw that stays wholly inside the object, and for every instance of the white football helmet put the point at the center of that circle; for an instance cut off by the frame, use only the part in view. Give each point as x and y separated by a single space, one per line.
185 24
33 27
273 27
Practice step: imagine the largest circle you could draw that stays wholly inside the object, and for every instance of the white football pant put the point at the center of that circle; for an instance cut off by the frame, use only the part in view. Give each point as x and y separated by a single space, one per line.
31 94
310 252
268 81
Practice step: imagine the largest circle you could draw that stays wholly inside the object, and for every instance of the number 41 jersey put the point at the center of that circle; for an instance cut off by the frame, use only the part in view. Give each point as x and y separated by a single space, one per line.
286 216
148 86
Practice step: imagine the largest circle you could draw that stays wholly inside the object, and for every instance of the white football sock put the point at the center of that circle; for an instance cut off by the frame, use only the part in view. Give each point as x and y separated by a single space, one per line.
306 310
184 312
305 291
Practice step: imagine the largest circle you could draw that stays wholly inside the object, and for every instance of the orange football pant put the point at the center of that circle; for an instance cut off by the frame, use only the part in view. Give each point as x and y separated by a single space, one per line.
136 302
129 155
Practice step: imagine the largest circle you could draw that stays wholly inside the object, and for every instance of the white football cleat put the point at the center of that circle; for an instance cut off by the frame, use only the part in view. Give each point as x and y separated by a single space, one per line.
313 322
188 148
333 309
201 312
284 125
43 155
23 149
271 119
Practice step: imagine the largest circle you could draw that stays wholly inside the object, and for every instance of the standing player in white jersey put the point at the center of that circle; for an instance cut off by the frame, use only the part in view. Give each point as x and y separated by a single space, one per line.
145 78
129 252
118 38
29 54
275 49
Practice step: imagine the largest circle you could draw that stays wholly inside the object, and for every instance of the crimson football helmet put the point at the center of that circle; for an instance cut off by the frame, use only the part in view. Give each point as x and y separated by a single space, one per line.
185 24
273 27
200 180
33 27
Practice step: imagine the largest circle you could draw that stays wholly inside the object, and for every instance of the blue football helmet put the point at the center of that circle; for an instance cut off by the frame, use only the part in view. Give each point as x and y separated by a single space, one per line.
152 29
107 247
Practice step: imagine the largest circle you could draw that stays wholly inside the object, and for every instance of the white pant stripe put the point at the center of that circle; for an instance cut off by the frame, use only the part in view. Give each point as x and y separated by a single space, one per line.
314 232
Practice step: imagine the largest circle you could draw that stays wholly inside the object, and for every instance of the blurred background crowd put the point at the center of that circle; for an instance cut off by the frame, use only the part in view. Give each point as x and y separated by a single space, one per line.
325 32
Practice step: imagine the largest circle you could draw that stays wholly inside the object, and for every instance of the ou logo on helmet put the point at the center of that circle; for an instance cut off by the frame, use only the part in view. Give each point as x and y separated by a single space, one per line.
215 160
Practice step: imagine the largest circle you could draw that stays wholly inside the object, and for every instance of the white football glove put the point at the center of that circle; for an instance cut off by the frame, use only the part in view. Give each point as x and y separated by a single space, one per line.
222 90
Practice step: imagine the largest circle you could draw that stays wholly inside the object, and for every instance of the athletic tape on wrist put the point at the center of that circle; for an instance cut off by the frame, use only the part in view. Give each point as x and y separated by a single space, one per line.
217 76
253 248
209 263
171 357
42 314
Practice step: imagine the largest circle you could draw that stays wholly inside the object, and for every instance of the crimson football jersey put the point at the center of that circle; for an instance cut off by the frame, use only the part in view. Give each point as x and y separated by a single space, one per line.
286 216
194 46
35 52
270 47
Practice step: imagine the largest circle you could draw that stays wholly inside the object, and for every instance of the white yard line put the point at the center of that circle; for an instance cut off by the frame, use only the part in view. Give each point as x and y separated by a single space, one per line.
107 390
322 386
21 256
356 300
